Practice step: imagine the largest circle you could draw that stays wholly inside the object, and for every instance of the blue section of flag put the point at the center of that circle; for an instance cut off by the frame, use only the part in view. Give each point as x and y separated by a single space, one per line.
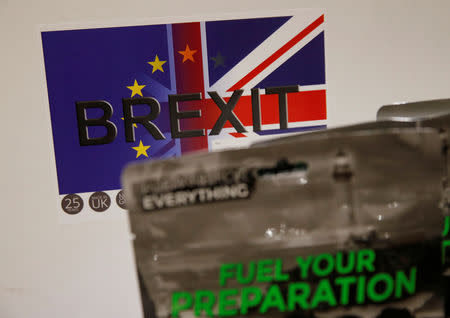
306 67
234 40
99 64
162 149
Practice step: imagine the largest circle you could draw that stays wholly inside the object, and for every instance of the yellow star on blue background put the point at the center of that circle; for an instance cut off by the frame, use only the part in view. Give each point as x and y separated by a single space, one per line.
141 149
157 64
136 89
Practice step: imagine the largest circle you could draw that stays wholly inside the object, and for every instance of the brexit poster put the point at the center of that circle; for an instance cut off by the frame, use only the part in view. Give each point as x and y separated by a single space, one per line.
119 94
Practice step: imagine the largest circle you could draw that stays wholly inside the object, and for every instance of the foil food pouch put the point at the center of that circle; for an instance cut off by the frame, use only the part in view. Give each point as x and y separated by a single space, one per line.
414 111
342 223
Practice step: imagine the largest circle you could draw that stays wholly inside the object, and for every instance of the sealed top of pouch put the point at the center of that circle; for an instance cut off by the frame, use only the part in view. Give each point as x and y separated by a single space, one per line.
376 189
430 113
414 111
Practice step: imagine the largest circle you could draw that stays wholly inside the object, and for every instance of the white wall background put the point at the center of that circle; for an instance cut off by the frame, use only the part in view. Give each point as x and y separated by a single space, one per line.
377 51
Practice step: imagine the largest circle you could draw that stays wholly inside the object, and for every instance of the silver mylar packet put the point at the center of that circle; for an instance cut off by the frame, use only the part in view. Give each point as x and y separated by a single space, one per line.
414 111
341 223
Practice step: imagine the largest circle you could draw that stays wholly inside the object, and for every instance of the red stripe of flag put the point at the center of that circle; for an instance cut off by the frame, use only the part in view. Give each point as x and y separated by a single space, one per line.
189 79
302 106
261 67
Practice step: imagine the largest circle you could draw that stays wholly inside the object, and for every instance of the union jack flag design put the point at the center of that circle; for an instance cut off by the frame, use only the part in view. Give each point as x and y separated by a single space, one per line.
165 59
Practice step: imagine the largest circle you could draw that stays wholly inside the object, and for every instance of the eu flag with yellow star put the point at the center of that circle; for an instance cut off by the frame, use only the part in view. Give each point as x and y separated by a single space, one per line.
110 64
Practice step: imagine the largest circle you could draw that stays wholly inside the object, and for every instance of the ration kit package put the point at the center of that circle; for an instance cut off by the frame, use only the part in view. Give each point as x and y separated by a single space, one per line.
347 222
